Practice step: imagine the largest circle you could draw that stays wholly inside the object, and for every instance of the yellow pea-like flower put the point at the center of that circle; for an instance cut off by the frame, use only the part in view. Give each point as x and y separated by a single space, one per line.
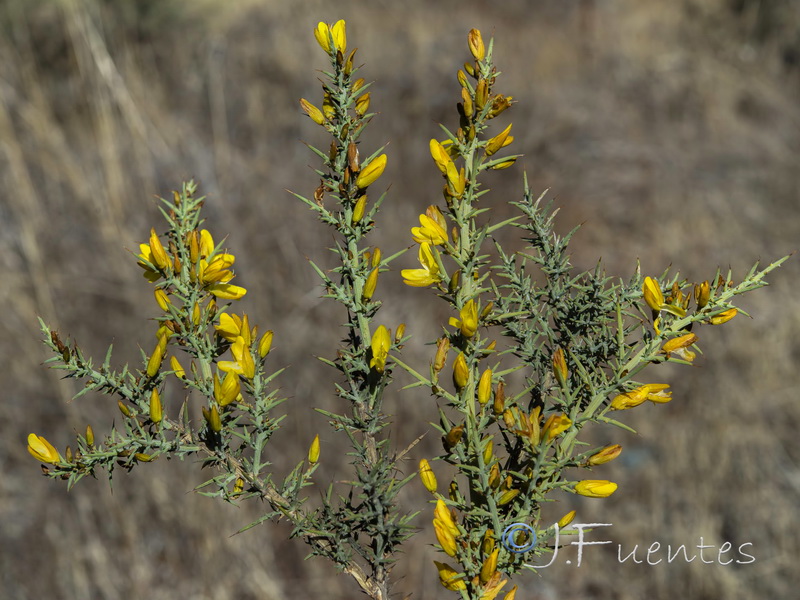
445 517
449 577
445 537
339 34
556 425
724 317
429 231
677 343
702 294
206 244
42 450
428 274
440 156
322 35
159 254
229 389
162 299
227 291
595 488
652 293
381 343
498 141
469 319
371 172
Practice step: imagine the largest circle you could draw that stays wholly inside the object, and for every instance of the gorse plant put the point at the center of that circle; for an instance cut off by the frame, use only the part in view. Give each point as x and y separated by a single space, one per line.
578 340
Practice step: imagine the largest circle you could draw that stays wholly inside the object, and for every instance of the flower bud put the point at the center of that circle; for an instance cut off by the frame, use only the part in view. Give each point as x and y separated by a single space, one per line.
370 285
507 497
157 250
453 437
359 209
445 537
42 450
124 409
427 475
156 412
724 316
362 104
162 299
312 111
142 457
476 47
176 366
605 455
702 293
560 367
566 519
485 387
449 577
499 404
212 418
595 488
371 172
313 451
89 436
265 344
460 372
481 94
442 348
398 335
489 566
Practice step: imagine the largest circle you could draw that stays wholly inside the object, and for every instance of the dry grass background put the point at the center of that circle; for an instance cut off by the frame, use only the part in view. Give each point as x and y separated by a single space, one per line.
670 128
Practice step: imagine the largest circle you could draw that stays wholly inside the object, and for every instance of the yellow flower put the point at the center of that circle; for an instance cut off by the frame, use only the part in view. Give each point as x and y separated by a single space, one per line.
428 274
381 343
677 343
449 577
42 450
230 326
560 366
652 293
206 244
724 317
556 425
243 363
440 156
445 537
322 33
217 269
469 319
501 140
432 229
595 488
702 294
226 291
651 391
371 172
370 285
339 33
146 256
489 566
158 253
227 391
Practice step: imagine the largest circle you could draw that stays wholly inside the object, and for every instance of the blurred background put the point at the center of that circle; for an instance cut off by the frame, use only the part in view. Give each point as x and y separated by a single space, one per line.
669 129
